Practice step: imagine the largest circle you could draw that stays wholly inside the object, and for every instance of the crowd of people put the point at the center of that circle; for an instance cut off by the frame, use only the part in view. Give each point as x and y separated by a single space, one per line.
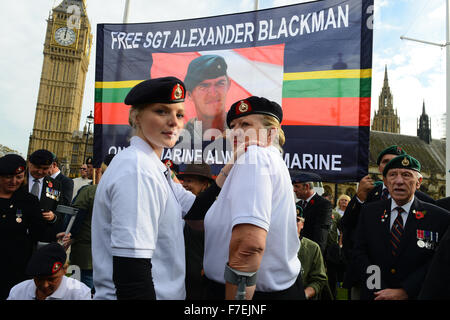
256 231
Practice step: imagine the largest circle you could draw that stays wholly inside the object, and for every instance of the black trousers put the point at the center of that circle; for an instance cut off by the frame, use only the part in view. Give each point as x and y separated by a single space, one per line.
216 291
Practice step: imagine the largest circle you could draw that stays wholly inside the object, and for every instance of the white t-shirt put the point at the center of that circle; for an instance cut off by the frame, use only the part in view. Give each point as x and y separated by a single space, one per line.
69 289
258 191
138 214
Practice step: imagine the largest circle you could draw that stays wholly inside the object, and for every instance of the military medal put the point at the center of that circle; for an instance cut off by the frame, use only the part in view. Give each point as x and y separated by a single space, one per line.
420 237
384 216
19 216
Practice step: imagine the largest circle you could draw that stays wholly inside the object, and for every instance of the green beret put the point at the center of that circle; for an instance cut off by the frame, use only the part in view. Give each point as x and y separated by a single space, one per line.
404 161
163 90
254 105
395 150
203 68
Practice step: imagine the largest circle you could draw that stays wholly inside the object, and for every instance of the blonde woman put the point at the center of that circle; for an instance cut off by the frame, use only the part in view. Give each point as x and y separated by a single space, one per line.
251 240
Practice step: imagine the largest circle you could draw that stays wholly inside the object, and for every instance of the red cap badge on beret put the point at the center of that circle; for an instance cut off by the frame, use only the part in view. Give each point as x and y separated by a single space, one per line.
243 106
177 92
56 267
20 169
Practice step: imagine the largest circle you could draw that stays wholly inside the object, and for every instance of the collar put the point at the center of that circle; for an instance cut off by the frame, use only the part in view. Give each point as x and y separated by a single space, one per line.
55 174
31 179
143 146
406 206
307 200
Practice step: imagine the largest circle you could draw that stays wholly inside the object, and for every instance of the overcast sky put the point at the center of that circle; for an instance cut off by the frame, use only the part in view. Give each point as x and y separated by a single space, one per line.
416 71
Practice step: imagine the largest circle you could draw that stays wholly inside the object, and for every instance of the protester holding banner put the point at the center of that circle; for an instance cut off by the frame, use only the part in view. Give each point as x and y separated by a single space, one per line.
255 206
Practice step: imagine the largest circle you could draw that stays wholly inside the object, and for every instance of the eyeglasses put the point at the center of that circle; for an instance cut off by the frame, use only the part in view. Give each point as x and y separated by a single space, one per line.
84 169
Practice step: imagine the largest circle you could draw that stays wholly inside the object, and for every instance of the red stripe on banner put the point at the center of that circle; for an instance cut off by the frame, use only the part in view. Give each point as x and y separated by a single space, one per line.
268 54
111 113
326 111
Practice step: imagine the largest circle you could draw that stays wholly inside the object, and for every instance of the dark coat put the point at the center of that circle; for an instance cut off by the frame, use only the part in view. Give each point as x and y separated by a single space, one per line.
437 281
349 222
372 247
444 203
21 226
318 220
66 189
51 196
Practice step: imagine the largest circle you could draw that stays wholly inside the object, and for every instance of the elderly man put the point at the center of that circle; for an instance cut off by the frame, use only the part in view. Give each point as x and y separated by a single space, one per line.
368 191
207 85
396 238
81 181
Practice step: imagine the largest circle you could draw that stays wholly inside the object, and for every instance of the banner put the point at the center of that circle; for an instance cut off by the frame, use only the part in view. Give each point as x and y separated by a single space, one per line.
314 59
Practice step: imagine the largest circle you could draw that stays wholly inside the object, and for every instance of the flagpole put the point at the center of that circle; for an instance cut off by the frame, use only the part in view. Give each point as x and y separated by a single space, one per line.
126 10
447 91
256 4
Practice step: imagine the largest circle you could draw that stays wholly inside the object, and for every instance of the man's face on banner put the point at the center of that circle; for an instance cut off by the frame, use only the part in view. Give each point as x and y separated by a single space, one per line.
209 97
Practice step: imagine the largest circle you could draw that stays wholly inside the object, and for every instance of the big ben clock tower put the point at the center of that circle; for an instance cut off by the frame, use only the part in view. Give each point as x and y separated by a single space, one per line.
66 58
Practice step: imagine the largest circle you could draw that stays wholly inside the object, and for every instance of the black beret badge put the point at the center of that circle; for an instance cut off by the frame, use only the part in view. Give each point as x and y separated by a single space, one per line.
56 267
177 92
243 106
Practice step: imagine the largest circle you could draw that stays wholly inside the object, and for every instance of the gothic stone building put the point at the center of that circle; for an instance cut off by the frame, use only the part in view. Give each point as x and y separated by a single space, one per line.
67 49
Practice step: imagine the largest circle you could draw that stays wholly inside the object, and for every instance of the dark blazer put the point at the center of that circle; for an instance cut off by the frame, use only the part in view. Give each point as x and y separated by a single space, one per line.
66 189
437 282
50 198
444 203
349 222
318 220
372 246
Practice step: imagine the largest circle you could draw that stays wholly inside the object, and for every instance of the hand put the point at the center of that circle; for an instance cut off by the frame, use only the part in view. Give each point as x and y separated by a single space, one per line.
391 294
364 187
64 239
239 150
48 215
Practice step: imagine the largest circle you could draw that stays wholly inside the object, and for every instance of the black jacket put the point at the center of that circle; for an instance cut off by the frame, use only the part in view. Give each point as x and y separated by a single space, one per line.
318 220
372 247
349 222
21 226
66 189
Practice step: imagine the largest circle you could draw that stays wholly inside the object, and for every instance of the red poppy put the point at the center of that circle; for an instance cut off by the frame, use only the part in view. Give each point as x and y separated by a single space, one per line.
311 201
420 215
50 185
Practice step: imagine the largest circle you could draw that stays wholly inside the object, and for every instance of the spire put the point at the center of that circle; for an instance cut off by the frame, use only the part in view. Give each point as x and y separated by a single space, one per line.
423 107
386 82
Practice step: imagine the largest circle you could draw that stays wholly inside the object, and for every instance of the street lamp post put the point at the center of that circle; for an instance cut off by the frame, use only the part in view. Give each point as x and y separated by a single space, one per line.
89 121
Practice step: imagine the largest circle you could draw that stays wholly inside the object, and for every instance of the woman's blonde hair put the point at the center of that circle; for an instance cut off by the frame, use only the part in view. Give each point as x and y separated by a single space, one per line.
271 122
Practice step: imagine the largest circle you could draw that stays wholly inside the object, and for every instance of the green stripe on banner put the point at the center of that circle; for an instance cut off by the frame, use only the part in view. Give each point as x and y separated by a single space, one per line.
327 88
111 95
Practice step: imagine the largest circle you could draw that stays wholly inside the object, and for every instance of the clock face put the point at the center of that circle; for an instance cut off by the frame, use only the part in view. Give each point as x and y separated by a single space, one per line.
65 36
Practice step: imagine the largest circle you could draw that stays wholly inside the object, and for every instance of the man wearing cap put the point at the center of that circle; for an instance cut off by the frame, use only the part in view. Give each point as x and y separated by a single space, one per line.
368 191
207 85
81 181
48 267
316 210
396 238
66 182
196 178
21 223
40 184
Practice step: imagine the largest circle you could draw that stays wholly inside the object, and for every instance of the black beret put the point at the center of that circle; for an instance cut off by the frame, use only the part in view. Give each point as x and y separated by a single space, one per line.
42 157
108 158
254 105
171 165
404 161
395 150
12 164
162 90
303 177
203 68
47 260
